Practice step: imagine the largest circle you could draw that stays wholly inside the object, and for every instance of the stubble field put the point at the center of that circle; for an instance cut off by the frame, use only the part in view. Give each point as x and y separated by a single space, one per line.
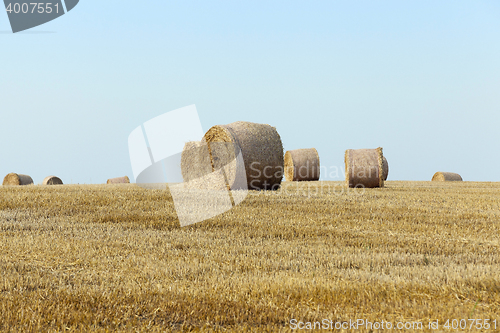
113 258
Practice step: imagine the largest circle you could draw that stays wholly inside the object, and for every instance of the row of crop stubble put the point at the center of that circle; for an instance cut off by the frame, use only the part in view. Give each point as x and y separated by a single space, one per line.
113 257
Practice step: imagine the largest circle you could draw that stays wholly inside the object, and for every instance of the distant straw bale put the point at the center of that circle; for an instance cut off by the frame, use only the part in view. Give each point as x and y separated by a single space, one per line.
302 165
364 168
52 180
17 179
119 180
195 160
247 150
385 168
446 177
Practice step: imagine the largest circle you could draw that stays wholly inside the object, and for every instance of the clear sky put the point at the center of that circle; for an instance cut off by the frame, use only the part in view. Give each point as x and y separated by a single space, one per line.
419 78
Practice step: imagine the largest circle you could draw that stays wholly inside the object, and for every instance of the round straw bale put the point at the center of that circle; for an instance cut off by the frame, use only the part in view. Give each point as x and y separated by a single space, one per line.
302 165
446 177
118 180
52 180
16 179
195 160
364 168
385 168
261 151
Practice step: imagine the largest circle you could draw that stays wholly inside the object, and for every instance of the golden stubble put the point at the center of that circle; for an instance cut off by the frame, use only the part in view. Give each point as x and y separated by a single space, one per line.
97 257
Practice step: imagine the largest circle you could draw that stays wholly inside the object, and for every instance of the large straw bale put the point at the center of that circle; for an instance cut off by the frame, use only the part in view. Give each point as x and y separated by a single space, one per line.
302 165
261 150
364 168
385 168
119 180
195 160
52 180
17 179
446 177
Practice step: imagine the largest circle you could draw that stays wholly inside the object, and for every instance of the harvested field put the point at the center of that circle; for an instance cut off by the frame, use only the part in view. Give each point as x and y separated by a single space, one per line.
112 257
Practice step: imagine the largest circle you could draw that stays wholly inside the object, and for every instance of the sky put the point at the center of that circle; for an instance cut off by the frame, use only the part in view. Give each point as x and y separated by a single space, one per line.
419 78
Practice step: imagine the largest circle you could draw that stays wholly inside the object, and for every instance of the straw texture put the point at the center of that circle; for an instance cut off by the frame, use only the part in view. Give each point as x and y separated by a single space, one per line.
302 165
52 180
17 179
261 152
214 181
364 168
385 168
446 177
118 180
195 161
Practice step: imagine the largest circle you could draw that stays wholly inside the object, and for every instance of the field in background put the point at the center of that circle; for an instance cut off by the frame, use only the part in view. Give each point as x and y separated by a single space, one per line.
112 257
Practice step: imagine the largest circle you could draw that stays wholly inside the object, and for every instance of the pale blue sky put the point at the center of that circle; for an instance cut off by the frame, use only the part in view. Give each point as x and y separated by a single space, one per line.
419 78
